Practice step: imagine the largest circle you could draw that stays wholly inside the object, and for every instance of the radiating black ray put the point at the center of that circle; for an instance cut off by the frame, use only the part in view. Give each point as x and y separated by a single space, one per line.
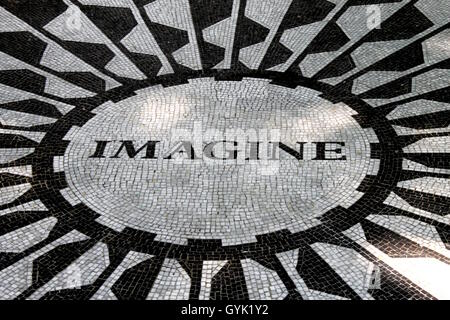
51 263
19 219
9 179
399 26
410 174
229 283
24 161
16 141
38 14
397 61
395 245
116 256
440 95
273 263
25 46
426 201
393 285
444 234
431 160
331 38
301 12
28 196
62 227
248 32
426 121
335 33
29 81
116 23
310 264
33 106
407 140
401 85
193 267
396 287
25 80
394 211
36 128
168 38
135 283
393 89
216 11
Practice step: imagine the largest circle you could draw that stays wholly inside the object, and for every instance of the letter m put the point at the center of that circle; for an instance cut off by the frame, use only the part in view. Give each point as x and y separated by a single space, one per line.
131 151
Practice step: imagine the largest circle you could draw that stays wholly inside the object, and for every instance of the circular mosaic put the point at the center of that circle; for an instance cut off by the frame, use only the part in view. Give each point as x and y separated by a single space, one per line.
218 160
234 149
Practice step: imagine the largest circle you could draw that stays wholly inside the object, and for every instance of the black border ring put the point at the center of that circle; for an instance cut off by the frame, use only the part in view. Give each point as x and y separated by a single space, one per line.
376 189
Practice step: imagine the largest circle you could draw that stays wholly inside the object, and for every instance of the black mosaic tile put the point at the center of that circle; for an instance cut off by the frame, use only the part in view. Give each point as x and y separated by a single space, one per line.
224 150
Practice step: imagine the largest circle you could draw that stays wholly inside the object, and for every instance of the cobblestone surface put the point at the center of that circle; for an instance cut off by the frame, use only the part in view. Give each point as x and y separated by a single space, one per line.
232 149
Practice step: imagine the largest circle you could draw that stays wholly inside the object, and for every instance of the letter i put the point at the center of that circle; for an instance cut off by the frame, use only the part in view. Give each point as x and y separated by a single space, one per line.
100 150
